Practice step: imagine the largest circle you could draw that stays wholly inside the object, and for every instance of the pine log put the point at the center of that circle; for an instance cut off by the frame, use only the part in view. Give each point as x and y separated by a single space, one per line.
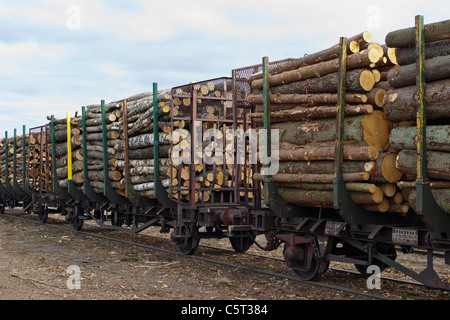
438 163
406 37
350 186
321 166
372 128
307 99
400 104
310 59
405 56
314 178
436 69
358 80
325 198
146 140
441 196
151 185
438 138
366 153
385 169
376 97
147 153
383 206
305 113
357 60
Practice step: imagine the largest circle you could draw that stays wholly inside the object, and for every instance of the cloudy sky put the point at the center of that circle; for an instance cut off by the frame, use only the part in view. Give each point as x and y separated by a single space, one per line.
57 55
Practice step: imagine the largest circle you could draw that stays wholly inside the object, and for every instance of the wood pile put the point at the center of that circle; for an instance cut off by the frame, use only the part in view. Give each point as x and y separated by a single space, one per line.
400 107
303 97
214 170
141 142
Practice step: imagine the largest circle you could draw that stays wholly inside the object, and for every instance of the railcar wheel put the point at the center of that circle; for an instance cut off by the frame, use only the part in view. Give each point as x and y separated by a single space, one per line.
43 214
189 239
303 261
77 223
242 241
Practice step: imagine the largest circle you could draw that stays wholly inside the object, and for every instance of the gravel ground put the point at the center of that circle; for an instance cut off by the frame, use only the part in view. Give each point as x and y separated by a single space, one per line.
38 262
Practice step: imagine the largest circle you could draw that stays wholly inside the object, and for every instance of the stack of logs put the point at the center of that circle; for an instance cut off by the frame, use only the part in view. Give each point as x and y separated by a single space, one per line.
141 142
380 158
214 170
400 108
303 97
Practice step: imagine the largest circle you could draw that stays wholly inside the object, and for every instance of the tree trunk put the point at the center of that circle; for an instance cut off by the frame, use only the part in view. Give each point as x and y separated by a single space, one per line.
146 140
442 197
151 185
314 178
358 80
437 68
305 113
357 60
438 138
147 153
406 37
400 104
404 56
321 166
310 59
307 99
325 198
372 128
438 163
365 153
384 169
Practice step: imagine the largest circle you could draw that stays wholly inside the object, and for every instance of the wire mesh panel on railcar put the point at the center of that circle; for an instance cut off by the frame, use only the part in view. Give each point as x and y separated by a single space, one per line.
39 160
203 116
249 191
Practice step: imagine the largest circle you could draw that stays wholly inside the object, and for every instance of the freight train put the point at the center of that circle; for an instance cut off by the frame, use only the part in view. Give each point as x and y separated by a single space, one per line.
247 155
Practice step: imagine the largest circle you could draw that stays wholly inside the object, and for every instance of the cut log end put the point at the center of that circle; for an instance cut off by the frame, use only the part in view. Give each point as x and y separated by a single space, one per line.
367 80
376 129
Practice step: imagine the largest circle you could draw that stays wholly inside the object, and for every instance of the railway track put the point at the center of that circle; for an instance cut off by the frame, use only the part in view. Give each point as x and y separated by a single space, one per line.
206 254
209 254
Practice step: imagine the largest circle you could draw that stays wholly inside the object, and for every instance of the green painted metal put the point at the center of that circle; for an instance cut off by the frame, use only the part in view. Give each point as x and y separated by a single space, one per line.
24 163
108 191
271 195
426 205
160 192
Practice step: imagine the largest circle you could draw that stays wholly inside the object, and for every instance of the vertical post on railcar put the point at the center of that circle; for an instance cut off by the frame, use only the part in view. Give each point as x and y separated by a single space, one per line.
7 183
24 162
14 157
271 195
339 183
69 150
426 205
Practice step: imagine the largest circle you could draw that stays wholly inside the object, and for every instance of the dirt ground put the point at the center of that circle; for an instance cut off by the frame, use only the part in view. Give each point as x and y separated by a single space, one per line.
42 263
38 262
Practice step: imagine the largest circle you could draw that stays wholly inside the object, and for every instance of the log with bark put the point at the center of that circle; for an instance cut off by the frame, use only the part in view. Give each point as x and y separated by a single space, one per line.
406 37
400 104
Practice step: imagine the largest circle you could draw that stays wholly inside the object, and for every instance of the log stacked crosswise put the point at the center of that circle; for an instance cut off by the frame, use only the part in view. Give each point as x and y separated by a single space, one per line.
379 122
401 105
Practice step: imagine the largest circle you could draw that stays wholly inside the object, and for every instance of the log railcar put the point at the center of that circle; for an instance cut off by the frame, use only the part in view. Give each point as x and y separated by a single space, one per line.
194 209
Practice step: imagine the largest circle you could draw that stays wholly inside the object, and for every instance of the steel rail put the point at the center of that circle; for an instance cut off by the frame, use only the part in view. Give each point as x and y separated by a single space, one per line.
209 260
